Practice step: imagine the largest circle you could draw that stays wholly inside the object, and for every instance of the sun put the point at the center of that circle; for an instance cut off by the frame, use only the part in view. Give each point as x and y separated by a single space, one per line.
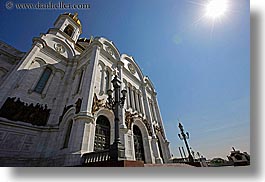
216 9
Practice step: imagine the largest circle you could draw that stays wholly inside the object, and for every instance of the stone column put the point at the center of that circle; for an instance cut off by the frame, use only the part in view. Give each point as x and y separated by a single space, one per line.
158 114
155 149
82 139
145 104
129 145
154 144
151 110
90 73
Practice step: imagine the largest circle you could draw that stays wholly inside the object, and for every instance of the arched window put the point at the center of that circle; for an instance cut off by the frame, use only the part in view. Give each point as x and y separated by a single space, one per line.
43 80
138 144
69 29
102 134
68 134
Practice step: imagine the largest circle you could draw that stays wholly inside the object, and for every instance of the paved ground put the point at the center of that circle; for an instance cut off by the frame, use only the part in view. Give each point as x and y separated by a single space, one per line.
168 165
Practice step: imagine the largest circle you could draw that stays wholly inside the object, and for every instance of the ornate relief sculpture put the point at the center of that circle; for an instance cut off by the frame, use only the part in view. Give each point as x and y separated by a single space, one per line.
160 130
129 119
148 126
16 110
97 104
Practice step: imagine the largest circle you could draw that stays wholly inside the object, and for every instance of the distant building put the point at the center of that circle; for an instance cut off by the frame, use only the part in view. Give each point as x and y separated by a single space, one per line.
53 101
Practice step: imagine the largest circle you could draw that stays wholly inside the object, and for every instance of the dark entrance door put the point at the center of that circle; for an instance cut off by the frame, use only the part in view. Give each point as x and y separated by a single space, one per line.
102 134
138 144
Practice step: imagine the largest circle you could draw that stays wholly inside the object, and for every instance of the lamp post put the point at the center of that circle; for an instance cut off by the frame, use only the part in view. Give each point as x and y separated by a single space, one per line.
184 136
117 150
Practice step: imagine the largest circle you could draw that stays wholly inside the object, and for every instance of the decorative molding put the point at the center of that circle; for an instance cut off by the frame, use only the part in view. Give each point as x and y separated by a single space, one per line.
129 119
109 50
159 129
148 126
131 68
65 109
59 48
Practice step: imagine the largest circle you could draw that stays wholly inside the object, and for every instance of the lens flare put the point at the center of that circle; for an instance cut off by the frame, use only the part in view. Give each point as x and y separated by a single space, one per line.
216 8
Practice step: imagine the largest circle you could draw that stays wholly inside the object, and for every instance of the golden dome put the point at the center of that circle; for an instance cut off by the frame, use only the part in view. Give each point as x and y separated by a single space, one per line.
74 17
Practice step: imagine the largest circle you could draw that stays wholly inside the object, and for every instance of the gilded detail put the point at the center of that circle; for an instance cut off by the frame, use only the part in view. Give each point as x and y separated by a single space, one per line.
160 130
148 126
129 119
97 104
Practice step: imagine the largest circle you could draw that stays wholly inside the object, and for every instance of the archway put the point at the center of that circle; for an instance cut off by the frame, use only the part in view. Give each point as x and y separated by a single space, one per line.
138 144
69 29
102 134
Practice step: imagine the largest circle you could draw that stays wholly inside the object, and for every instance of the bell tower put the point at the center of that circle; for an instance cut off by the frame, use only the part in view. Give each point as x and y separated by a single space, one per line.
69 26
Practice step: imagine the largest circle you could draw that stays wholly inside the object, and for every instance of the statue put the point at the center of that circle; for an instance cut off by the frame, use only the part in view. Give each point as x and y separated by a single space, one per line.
97 104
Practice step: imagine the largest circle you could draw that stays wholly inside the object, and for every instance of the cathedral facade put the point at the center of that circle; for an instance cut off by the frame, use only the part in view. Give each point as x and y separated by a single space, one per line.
54 101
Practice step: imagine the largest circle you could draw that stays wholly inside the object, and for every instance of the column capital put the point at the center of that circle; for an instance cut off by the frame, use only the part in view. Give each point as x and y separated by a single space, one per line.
85 117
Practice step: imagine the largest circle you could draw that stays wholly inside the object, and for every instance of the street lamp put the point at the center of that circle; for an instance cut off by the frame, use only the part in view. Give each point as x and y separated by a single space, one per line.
117 150
185 136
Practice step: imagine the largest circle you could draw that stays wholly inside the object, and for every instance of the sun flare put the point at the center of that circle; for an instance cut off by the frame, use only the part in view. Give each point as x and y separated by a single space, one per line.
216 9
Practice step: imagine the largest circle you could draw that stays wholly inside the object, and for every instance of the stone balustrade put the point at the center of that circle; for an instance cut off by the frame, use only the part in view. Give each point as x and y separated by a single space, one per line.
99 156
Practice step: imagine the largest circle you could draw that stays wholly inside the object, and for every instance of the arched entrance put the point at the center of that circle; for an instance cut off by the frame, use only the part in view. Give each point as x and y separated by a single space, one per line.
102 134
138 144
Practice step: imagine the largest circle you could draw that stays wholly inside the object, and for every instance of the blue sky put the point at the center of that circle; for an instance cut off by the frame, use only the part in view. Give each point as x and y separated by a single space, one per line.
201 72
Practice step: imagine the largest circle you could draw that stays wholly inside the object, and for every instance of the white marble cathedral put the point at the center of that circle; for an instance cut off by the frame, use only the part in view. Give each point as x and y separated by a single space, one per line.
53 101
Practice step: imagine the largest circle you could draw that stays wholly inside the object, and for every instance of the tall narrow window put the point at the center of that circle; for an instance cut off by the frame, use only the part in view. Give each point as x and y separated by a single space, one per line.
140 102
43 80
107 80
135 100
80 81
130 96
67 134
69 29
